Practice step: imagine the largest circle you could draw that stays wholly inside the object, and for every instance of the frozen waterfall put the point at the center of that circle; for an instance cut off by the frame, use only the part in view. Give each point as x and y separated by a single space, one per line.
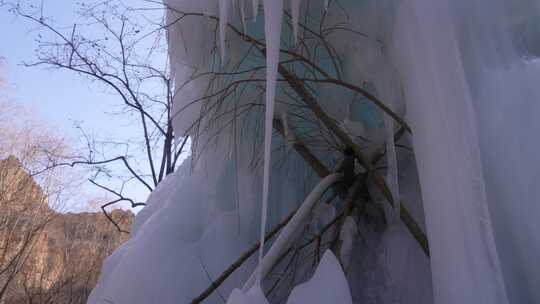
270 103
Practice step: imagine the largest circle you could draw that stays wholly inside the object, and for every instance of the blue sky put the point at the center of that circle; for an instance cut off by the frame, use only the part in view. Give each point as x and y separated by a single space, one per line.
59 98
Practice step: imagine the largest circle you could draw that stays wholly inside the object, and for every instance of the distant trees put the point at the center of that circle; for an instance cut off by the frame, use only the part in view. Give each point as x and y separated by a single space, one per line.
26 200
24 214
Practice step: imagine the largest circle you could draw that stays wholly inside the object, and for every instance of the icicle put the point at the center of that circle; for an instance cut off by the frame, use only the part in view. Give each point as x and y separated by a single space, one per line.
289 134
391 163
273 13
295 10
325 5
243 14
236 169
223 21
255 9
346 236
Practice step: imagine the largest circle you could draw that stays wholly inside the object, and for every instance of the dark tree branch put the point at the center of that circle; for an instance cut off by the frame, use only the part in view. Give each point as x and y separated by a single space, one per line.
120 198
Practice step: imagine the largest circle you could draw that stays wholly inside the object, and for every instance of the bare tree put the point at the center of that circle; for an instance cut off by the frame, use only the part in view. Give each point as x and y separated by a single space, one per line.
32 192
27 201
112 46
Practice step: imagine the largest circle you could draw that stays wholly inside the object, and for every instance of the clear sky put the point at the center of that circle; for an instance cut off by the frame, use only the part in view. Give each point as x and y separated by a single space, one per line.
59 98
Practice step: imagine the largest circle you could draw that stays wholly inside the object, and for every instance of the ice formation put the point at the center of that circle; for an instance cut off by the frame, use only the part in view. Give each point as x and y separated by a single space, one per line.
223 21
328 285
464 76
273 13
295 11
286 236
347 236
254 295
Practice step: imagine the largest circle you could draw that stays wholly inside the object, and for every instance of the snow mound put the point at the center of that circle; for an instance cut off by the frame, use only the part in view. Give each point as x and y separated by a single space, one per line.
328 285
253 296
173 253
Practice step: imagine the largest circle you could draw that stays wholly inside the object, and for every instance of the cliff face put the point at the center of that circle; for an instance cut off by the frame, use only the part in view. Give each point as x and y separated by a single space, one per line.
45 256
68 255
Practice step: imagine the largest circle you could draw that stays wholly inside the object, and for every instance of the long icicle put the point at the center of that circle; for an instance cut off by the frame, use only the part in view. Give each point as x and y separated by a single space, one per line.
273 14
223 21
391 163
295 11
255 4
242 8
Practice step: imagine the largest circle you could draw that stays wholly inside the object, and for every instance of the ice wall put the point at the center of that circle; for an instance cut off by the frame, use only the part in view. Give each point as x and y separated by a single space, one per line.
207 213
464 75
446 147
470 93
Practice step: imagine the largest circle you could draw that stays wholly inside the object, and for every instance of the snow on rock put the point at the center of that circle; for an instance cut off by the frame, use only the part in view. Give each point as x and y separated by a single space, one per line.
328 285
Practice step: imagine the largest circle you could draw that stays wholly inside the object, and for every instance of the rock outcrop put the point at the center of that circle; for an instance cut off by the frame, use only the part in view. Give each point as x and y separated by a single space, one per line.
46 256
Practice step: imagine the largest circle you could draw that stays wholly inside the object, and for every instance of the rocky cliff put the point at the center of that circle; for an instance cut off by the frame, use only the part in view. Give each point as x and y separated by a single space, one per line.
46 256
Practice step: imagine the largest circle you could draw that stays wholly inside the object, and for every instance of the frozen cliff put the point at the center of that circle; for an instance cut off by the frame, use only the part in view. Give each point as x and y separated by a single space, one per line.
435 103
